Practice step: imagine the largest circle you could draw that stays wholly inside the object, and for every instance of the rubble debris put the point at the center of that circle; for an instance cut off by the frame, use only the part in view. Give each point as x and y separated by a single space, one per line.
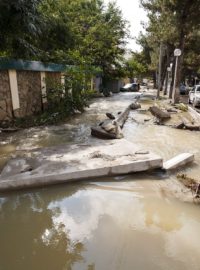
77 162
112 128
102 134
190 183
178 161
182 107
180 125
192 127
110 116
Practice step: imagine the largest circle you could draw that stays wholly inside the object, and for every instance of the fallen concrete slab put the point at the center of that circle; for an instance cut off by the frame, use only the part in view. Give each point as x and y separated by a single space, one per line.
177 161
75 162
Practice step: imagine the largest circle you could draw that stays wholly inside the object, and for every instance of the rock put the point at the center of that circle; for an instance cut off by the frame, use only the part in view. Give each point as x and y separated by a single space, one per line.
192 127
135 106
110 116
109 127
180 125
102 134
118 131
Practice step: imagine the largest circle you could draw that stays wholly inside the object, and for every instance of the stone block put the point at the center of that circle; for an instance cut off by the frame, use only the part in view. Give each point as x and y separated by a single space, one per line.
178 161
76 162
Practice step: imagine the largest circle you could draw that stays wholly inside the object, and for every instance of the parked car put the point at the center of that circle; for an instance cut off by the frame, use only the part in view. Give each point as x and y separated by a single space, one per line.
194 96
183 89
130 87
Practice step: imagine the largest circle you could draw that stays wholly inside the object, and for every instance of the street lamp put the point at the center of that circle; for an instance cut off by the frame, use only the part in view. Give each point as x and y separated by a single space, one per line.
177 53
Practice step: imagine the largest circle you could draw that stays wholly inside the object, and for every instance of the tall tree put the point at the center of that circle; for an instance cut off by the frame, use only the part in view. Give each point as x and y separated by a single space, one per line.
20 23
171 23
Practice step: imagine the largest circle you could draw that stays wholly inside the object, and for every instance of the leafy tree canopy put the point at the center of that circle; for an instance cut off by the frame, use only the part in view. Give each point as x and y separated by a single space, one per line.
66 31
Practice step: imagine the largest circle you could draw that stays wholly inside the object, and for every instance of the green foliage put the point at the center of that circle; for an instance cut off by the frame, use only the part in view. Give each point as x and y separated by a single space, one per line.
81 33
174 23
20 24
64 31
137 65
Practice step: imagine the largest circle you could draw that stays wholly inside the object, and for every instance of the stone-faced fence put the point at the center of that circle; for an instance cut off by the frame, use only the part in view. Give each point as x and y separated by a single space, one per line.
23 87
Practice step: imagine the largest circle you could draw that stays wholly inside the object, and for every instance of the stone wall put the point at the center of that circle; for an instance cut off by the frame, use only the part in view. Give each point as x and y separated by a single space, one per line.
26 88
30 97
5 97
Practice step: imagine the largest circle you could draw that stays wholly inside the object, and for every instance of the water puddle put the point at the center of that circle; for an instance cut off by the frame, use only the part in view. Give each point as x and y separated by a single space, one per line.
99 226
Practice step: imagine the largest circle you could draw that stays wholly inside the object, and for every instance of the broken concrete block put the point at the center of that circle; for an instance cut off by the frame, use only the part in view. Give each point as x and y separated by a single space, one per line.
66 163
177 161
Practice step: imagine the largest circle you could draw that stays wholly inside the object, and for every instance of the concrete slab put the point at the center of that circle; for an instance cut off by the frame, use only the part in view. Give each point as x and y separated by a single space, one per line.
76 162
177 161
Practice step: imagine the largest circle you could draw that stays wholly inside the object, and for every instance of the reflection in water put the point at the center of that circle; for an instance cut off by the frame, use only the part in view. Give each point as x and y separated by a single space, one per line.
28 237
96 227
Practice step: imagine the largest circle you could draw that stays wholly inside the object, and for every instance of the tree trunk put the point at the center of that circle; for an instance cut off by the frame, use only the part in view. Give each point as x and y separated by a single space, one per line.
166 83
181 47
160 70
102 131
159 113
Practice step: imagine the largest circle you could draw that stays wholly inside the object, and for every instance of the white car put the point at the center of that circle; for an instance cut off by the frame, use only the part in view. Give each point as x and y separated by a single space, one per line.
194 96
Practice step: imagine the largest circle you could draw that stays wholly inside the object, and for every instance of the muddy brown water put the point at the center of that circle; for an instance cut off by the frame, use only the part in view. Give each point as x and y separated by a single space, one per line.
124 222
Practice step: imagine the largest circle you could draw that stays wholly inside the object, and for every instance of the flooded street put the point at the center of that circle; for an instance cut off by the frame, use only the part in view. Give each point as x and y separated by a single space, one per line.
117 223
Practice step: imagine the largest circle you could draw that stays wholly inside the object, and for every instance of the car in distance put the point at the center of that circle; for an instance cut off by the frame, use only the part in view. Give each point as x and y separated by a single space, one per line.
194 96
130 87
183 89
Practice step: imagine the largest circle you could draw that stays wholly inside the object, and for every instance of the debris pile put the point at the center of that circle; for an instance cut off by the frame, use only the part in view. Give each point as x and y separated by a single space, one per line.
192 184
179 116
111 128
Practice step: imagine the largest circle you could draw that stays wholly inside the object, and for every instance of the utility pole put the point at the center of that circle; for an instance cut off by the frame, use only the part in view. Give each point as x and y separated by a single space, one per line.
177 53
